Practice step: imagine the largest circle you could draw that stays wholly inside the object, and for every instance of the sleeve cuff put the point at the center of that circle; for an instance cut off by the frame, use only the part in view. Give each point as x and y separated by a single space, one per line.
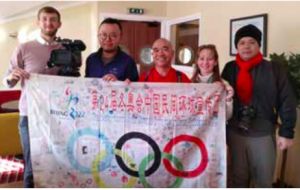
7 82
286 133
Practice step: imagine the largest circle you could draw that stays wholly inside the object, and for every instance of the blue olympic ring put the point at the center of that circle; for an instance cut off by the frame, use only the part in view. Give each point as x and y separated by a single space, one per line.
108 147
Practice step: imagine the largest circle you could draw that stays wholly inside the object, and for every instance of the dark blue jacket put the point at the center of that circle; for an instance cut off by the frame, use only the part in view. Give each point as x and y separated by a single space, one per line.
122 66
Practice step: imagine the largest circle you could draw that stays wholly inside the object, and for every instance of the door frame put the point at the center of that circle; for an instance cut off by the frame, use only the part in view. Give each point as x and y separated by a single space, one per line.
103 16
161 20
178 20
186 69
131 17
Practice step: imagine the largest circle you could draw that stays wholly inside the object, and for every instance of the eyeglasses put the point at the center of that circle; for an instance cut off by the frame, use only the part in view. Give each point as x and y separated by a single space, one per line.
104 36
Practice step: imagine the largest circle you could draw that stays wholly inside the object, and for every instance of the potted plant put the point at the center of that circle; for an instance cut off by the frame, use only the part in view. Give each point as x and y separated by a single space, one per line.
292 64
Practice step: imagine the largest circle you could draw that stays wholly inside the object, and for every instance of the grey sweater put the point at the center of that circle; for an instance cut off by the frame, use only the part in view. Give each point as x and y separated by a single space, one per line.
31 56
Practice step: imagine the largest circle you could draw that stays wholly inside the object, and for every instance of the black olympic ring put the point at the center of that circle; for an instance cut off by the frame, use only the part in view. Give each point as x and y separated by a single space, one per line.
152 143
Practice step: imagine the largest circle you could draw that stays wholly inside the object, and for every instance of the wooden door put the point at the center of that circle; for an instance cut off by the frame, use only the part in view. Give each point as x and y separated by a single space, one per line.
136 36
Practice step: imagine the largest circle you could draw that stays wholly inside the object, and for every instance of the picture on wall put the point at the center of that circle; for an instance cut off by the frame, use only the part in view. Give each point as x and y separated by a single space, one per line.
260 21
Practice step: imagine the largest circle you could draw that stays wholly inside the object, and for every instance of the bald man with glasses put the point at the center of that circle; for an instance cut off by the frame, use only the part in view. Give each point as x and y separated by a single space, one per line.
110 63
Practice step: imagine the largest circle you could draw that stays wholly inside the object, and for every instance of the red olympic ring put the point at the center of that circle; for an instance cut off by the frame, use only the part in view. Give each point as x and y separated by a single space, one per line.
186 174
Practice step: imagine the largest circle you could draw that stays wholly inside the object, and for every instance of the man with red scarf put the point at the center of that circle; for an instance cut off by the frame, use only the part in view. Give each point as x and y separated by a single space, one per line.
262 93
162 71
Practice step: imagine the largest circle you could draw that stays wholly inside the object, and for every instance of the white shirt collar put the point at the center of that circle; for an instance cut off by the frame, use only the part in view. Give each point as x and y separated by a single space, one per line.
205 78
44 42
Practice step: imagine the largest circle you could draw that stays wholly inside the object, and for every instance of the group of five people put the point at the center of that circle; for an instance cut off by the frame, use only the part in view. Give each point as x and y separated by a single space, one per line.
262 90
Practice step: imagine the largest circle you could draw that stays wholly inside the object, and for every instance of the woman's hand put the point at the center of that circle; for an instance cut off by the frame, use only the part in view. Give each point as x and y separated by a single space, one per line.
229 93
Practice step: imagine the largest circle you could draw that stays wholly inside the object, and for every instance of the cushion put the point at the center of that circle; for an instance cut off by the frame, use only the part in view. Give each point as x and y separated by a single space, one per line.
9 134
11 169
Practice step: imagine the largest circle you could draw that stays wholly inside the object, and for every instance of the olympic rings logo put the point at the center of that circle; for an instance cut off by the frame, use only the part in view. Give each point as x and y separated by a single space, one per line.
104 158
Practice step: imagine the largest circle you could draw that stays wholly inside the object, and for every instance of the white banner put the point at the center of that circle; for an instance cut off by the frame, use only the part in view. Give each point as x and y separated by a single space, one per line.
90 133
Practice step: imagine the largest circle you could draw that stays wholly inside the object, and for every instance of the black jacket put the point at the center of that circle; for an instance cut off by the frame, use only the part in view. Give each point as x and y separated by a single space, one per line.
272 96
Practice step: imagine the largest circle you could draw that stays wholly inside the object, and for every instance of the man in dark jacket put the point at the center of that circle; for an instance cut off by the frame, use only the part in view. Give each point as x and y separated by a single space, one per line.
262 92
110 63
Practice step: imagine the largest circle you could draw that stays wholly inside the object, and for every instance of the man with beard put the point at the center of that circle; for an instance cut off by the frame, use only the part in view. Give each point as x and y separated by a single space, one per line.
32 57
110 63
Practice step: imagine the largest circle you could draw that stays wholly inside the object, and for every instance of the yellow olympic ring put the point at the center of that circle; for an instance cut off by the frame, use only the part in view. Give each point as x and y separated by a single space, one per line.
132 180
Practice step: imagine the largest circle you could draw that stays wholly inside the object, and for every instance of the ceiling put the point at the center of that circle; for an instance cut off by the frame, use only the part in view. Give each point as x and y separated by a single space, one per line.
12 9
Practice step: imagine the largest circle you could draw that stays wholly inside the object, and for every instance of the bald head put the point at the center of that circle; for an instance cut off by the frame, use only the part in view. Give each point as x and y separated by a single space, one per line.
162 53
162 41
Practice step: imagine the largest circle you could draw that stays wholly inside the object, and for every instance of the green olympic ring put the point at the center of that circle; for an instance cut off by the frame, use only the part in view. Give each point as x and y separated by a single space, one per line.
132 180
150 157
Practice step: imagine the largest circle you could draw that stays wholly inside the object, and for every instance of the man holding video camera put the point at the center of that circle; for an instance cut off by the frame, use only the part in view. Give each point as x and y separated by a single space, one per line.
262 93
32 57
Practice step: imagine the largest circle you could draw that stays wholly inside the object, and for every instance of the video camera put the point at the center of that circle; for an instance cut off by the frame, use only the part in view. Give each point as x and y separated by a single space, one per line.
69 58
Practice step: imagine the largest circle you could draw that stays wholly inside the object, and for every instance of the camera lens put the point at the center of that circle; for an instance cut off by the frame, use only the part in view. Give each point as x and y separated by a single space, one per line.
246 116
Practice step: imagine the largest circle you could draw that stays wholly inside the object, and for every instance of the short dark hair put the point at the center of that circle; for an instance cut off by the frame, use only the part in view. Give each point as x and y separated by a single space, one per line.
111 21
48 9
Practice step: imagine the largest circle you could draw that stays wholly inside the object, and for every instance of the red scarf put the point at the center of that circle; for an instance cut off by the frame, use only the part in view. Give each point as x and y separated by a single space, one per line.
244 81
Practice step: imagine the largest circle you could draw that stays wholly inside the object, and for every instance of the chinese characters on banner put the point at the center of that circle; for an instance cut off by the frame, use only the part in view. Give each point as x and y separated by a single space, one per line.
89 133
